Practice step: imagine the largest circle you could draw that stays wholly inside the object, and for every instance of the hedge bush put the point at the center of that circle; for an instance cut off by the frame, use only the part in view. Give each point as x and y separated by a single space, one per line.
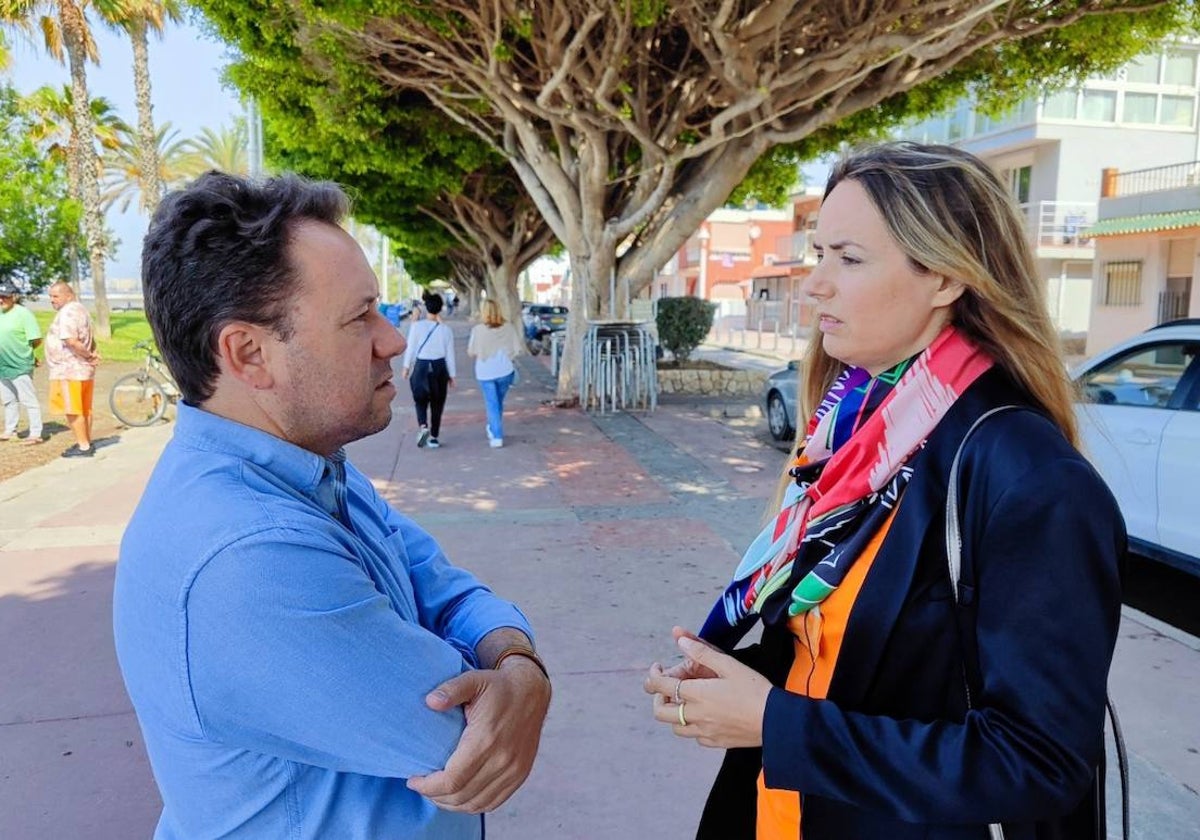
683 322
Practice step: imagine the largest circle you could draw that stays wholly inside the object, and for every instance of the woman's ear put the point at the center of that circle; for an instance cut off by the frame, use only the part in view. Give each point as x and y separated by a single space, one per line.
243 353
948 291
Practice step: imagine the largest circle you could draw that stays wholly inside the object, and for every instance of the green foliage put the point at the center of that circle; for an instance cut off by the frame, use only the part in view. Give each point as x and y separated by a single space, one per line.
39 224
324 117
683 322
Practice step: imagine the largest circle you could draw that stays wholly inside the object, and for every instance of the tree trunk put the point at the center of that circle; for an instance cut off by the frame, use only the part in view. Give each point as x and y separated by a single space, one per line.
73 23
502 288
587 304
152 185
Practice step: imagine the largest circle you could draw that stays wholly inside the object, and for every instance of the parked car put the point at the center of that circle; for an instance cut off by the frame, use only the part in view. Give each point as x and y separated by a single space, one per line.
547 316
780 401
1140 426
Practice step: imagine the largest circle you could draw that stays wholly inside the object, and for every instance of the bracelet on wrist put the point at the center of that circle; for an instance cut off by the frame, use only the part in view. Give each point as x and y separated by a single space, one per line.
525 652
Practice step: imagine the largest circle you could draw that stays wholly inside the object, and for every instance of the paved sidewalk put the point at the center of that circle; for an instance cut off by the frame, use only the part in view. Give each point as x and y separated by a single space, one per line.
605 529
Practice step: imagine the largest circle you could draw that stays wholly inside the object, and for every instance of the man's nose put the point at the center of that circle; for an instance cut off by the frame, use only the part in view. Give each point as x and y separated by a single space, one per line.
391 343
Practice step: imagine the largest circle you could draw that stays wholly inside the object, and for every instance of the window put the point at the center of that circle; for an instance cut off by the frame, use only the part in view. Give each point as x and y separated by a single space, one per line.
1180 69
1178 110
1139 108
1098 106
1146 377
1143 70
1060 106
1019 179
1123 283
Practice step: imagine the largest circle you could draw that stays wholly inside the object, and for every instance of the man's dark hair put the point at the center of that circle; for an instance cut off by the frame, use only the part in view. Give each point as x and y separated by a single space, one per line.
433 303
217 252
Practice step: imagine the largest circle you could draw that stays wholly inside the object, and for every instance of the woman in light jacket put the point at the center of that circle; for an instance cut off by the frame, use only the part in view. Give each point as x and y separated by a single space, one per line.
494 344
882 701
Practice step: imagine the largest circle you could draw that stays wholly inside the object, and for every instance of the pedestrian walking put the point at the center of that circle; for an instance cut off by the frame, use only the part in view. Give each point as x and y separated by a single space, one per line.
71 361
304 660
19 337
494 343
430 369
936 641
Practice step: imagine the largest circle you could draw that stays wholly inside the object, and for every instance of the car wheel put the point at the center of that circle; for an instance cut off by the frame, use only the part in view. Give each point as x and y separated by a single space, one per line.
777 418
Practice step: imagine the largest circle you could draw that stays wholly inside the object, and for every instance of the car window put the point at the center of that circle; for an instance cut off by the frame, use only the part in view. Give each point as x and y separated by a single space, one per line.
1146 376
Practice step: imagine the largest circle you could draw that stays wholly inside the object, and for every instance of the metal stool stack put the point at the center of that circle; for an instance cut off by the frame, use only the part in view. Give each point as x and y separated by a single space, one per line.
619 369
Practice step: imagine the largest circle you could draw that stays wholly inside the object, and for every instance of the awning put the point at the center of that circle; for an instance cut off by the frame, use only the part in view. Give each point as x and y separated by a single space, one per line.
1146 223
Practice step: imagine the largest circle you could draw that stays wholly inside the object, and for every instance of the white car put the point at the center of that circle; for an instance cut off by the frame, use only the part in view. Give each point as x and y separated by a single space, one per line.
1140 424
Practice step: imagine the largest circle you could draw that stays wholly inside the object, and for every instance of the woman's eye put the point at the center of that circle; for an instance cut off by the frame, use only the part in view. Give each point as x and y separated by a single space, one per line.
849 260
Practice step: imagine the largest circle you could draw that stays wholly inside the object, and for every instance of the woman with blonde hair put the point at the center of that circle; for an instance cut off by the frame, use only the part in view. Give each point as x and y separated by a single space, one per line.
936 641
494 344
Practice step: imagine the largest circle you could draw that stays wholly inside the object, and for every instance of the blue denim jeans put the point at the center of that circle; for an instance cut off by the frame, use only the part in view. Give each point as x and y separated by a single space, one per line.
493 397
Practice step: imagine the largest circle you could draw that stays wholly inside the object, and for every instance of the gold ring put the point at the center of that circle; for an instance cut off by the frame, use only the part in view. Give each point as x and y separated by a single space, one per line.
682 719
678 685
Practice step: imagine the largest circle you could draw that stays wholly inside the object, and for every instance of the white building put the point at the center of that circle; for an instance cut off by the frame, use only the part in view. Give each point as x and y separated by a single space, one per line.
1052 150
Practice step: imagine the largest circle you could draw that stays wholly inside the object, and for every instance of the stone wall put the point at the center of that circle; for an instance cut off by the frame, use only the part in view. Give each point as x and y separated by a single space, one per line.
711 382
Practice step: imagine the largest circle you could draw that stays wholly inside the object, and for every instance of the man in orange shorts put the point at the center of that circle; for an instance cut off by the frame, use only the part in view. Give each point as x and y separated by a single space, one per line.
71 359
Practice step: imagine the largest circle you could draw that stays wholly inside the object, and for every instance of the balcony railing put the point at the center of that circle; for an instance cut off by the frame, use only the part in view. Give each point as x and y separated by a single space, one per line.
1139 181
1060 224
795 249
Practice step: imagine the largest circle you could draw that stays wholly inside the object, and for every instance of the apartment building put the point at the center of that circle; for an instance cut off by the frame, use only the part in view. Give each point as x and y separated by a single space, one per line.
1147 257
1051 150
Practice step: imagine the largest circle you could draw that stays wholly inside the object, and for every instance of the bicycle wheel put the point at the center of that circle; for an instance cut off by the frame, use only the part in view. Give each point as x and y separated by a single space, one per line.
137 399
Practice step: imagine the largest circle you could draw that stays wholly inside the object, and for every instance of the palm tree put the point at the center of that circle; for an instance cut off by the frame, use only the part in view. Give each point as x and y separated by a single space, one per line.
66 34
138 18
53 109
53 118
124 178
227 150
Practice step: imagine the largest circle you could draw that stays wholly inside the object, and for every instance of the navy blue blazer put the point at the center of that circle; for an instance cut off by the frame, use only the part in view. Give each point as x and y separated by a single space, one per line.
894 753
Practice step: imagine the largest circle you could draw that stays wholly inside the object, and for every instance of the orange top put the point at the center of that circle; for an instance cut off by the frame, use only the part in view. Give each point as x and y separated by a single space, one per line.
818 639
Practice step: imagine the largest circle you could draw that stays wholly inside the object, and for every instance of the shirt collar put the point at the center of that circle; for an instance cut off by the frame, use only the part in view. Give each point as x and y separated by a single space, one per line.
296 467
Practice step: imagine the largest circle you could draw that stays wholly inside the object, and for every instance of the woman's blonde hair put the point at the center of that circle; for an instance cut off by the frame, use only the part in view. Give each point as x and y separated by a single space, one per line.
950 215
490 314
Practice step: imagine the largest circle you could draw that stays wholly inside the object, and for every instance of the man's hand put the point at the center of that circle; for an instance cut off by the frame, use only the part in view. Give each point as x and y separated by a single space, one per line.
505 709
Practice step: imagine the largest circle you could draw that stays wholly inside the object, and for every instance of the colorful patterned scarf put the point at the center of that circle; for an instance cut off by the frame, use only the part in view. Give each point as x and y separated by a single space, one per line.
849 476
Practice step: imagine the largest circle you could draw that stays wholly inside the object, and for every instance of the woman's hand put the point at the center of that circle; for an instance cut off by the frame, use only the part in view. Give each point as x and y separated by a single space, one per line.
723 701
688 669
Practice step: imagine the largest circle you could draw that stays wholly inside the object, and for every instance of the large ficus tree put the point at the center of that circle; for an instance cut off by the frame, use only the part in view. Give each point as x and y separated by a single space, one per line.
438 191
629 121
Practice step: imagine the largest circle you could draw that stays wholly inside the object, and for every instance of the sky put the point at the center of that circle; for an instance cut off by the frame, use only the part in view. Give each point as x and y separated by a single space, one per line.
186 90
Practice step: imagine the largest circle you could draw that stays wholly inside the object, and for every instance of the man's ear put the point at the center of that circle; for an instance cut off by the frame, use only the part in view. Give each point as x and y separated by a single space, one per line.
243 355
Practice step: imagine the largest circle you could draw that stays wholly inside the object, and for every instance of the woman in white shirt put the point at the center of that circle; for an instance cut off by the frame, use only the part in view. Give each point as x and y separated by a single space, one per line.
493 344
429 368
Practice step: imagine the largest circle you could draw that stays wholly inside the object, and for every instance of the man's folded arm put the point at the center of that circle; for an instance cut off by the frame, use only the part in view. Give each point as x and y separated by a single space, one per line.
292 652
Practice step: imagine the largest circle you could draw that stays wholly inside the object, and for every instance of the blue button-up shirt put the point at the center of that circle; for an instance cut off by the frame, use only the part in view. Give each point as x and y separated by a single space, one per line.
278 626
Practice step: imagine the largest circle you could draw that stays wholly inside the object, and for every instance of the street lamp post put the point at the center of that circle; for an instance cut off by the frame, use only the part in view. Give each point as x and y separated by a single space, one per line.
702 282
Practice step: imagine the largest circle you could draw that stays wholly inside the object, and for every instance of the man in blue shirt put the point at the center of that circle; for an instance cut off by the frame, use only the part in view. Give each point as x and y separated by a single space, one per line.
303 659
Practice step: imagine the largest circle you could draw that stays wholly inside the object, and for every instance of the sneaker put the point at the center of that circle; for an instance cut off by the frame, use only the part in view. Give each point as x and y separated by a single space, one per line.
433 443
76 452
72 448
496 443
422 436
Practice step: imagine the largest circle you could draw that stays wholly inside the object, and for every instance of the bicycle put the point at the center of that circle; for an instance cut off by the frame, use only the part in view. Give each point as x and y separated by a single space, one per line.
141 398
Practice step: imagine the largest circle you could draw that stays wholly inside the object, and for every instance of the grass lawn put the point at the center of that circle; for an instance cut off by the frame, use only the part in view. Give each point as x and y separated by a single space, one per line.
128 328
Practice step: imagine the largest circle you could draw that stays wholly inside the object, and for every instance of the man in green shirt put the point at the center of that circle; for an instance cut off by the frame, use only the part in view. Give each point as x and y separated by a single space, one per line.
19 335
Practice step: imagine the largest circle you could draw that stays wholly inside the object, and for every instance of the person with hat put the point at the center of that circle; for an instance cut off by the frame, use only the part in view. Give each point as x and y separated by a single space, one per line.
19 336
